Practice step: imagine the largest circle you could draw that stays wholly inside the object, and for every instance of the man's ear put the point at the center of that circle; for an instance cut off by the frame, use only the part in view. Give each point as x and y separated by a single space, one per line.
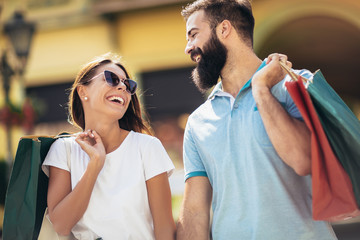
224 29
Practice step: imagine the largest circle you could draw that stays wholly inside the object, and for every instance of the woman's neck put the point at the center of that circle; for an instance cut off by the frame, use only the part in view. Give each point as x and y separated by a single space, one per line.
111 134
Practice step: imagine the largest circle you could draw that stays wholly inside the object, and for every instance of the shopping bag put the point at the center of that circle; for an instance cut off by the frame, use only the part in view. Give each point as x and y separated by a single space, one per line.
332 190
341 126
26 197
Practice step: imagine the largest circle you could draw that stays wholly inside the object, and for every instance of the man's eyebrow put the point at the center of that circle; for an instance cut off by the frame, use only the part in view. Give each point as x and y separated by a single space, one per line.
193 29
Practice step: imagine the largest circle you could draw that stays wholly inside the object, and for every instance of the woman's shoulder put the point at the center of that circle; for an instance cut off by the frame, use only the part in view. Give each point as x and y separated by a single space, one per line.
64 144
144 139
142 136
65 140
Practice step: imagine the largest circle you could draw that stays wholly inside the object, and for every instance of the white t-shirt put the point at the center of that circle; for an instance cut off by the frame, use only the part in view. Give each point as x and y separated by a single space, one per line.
118 207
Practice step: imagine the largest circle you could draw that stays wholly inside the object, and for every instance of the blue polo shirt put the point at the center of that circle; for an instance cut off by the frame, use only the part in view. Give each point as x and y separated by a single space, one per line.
255 194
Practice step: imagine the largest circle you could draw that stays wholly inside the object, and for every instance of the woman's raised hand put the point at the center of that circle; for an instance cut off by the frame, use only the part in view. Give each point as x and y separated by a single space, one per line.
92 144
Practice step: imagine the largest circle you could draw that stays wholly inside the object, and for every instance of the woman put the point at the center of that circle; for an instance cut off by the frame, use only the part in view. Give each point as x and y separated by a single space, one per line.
115 183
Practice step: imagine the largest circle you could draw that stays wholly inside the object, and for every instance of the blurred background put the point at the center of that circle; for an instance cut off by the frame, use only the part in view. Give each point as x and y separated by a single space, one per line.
44 43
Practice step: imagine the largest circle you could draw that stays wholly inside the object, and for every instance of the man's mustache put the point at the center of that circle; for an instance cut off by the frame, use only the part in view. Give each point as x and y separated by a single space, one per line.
196 52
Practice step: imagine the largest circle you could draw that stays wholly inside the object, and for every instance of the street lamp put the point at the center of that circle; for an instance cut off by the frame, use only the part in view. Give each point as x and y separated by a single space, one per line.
20 34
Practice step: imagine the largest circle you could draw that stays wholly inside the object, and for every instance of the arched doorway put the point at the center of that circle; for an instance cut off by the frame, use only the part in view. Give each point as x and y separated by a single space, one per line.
326 43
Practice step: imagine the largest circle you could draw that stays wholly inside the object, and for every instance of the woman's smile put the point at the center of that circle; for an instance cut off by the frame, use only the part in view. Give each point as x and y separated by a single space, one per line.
116 99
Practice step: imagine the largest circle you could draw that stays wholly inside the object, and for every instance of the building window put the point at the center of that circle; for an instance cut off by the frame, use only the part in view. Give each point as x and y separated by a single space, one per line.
169 93
52 100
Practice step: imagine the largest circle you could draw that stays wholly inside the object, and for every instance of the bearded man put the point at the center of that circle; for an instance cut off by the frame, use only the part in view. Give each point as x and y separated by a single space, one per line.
246 149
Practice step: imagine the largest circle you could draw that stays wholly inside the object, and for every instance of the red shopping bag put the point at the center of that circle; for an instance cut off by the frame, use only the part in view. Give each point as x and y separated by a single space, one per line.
332 192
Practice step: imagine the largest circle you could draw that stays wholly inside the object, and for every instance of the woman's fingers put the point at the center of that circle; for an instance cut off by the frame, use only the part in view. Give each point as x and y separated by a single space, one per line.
90 141
87 136
96 137
86 139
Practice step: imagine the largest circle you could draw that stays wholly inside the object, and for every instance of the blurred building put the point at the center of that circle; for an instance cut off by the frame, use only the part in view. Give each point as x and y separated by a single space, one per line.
150 35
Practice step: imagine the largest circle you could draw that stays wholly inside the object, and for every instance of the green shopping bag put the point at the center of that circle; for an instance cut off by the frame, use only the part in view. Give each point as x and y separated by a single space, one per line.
341 126
26 197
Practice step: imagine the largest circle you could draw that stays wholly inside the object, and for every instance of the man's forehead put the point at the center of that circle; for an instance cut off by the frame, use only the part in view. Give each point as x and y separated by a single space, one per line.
195 20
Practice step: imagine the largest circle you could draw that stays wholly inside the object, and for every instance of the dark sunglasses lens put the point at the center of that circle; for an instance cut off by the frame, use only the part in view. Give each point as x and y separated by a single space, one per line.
130 85
113 80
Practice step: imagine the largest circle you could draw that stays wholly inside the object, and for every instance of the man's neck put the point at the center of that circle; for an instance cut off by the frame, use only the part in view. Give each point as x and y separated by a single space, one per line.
237 71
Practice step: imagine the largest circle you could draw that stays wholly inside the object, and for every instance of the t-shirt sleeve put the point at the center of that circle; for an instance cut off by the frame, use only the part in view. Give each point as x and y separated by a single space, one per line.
56 157
193 165
156 160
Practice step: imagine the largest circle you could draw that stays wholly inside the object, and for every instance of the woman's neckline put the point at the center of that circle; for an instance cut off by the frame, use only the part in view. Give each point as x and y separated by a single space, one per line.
121 144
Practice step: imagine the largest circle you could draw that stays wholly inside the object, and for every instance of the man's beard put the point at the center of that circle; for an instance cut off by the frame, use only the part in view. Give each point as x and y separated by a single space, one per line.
212 61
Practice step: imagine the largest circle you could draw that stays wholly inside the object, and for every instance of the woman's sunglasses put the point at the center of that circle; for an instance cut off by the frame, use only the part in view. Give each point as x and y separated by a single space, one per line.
113 80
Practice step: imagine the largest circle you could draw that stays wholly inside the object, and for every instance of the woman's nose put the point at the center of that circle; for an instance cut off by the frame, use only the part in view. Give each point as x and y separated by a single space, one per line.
121 86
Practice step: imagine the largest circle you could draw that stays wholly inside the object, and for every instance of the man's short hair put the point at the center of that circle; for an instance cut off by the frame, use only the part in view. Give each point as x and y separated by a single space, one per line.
238 12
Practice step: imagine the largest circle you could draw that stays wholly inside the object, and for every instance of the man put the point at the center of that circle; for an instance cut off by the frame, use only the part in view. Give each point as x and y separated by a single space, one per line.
246 149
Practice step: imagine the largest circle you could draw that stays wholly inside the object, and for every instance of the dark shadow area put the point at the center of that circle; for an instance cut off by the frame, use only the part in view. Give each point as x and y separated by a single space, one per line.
350 231
319 42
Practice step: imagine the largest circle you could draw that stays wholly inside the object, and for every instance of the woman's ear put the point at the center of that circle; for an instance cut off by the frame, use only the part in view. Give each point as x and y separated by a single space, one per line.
81 90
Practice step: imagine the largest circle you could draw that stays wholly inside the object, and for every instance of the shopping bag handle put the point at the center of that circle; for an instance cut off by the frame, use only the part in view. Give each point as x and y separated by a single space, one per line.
62 134
291 73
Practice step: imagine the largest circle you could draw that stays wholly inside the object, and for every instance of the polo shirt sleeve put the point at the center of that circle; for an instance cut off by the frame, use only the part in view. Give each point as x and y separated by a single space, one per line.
292 109
193 165
156 160
283 96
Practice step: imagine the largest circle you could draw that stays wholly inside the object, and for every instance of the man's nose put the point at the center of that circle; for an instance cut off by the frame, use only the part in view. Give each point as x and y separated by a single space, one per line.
189 47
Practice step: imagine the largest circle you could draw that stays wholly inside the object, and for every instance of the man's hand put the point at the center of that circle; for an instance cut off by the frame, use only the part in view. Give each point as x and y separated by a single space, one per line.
271 74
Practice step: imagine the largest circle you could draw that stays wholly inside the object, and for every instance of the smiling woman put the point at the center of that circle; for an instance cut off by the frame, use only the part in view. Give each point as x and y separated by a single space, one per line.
115 170
91 72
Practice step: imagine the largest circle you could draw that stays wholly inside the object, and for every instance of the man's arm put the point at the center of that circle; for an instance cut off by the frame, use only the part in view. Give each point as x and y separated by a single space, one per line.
194 219
289 136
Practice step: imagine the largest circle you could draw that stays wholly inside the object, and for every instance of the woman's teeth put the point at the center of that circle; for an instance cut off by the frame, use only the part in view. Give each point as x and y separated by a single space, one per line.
116 99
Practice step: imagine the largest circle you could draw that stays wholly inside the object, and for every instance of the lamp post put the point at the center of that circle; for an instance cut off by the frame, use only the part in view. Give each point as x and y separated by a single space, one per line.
20 34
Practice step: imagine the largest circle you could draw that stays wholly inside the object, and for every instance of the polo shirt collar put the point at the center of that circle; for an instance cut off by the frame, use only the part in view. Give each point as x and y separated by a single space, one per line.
217 91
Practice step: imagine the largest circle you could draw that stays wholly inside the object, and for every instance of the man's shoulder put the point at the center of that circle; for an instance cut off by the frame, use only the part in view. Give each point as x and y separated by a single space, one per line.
201 111
280 88
304 72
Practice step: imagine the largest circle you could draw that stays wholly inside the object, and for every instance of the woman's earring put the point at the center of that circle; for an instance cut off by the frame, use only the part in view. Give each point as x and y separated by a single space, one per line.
85 98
